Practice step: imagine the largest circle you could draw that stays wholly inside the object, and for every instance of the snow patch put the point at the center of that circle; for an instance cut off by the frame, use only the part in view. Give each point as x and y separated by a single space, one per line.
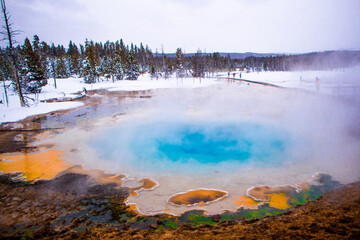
19 113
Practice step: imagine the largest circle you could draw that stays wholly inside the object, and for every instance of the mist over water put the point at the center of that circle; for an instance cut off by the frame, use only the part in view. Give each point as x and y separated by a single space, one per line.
231 129
229 137
192 147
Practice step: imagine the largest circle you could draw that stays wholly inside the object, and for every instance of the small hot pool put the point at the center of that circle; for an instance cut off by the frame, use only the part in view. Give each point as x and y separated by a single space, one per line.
183 147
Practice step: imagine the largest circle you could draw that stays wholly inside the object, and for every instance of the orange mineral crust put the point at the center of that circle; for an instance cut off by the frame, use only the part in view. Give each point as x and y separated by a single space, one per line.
279 201
277 196
263 193
199 196
245 201
40 165
147 184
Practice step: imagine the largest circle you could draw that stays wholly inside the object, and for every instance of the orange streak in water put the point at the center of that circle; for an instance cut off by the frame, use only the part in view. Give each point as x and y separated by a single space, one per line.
46 164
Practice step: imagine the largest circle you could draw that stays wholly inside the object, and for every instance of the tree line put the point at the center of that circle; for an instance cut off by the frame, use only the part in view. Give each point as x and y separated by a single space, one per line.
38 61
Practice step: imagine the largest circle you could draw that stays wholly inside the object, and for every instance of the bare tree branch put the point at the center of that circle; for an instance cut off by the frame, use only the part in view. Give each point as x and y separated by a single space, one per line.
10 34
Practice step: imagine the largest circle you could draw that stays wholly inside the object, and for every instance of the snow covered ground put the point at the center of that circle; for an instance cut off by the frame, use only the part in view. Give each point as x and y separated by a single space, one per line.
337 83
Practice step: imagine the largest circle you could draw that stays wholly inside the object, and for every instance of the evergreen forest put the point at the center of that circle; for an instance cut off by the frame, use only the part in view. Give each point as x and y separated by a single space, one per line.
35 61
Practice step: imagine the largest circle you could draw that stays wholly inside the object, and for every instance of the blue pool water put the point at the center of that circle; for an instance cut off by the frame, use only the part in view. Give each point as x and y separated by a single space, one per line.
169 147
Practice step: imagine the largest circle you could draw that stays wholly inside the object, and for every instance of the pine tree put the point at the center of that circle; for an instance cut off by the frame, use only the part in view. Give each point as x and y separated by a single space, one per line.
36 44
44 54
33 75
90 65
142 59
73 58
168 68
41 49
123 52
152 72
60 68
198 66
179 64
132 69
118 66
108 68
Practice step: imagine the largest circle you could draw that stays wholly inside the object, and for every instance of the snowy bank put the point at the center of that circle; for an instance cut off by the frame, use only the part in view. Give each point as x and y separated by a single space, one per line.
19 113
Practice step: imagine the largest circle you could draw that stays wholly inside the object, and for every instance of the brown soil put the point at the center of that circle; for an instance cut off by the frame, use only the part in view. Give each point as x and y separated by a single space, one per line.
70 207
336 215
53 207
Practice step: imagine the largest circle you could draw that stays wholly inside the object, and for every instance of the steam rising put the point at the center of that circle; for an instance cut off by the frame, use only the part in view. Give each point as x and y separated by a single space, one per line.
320 133
312 133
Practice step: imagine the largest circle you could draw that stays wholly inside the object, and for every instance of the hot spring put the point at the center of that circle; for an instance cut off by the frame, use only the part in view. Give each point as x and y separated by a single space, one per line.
228 138
192 148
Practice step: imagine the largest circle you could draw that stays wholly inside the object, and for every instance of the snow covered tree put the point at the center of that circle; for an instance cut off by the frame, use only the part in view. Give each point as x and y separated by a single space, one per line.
132 69
90 65
154 69
229 64
118 66
179 64
152 72
143 61
108 68
168 69
44 53
73 58
32 72
60 68
198 66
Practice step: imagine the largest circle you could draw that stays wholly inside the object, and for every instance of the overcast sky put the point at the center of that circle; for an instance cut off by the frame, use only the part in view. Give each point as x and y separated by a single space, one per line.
289 26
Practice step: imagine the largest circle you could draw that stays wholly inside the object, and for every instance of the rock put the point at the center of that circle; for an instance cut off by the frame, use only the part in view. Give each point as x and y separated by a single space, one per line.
216 218
154 226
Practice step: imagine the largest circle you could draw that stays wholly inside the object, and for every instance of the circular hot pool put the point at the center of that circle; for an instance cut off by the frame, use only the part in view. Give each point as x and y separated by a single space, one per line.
196 147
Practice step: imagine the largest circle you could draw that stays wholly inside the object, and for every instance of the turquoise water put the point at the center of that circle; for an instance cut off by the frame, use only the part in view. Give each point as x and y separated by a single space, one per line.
176 146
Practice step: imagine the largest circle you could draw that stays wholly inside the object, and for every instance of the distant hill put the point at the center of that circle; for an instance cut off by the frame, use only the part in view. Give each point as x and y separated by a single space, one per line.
232 55
248 54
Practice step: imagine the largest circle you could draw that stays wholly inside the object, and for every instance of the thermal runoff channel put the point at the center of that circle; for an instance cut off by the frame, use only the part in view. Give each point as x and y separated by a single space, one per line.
193 147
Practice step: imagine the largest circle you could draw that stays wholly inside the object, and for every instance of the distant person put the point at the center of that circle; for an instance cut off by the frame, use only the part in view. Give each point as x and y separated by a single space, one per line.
317 82
240 75
234 75
228 75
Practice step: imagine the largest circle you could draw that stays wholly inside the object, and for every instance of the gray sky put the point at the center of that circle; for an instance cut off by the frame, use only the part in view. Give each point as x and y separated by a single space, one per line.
212 25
